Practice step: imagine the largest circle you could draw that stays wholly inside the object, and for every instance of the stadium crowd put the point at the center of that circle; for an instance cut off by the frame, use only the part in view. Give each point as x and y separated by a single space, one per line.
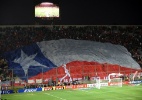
14 37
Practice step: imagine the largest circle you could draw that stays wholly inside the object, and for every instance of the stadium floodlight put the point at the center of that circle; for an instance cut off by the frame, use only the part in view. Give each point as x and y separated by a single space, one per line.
46 3
47 10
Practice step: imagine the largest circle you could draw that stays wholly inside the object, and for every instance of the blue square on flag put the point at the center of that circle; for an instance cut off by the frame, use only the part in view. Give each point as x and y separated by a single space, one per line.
28 61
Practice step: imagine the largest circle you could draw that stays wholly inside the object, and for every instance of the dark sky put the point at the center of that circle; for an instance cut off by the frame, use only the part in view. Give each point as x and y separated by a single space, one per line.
75 12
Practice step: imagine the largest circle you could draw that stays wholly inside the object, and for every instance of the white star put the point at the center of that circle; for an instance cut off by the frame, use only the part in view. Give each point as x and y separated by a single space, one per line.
26 61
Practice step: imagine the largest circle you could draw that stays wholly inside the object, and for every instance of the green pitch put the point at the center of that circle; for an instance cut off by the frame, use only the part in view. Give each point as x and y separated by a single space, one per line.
105 93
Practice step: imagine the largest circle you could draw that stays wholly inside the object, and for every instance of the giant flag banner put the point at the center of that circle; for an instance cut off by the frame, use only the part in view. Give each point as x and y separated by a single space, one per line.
42 57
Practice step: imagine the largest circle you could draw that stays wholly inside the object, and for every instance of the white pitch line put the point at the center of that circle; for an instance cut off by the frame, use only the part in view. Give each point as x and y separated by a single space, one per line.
86 91
55 96
5 99
96 92
22 95
129 98
17 95
30 94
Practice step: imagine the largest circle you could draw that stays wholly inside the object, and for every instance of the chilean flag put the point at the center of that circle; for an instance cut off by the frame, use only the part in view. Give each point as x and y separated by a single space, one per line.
45 56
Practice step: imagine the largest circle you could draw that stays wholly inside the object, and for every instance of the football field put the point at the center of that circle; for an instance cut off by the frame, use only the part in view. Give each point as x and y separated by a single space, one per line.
105 93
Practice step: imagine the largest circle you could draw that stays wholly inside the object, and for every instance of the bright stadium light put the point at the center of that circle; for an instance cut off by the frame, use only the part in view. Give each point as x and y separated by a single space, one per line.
47 10
46 3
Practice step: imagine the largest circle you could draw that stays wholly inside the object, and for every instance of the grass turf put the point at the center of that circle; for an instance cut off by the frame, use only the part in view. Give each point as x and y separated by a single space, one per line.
105 93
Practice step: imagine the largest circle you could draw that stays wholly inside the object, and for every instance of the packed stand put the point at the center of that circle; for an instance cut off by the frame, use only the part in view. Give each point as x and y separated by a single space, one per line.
5 73
19 36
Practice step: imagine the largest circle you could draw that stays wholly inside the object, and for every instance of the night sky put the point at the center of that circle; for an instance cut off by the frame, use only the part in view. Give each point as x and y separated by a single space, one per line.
74 12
